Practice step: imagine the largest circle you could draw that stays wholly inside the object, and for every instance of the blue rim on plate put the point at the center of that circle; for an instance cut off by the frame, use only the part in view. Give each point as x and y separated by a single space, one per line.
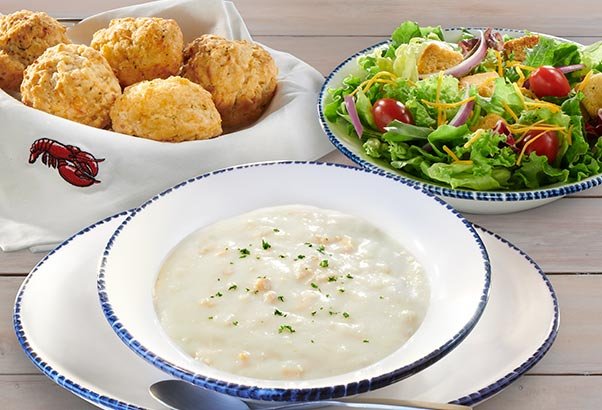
97 398
498 196
282 394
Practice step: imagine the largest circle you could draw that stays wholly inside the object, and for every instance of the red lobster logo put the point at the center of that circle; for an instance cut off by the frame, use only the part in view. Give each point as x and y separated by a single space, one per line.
77 167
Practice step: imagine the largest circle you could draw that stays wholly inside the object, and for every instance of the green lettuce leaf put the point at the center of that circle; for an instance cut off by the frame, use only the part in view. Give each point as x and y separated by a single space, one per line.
420 114
462 176
447 135
504 93
591 56
364 109
405 64
405 32
398 131
553 53
535 172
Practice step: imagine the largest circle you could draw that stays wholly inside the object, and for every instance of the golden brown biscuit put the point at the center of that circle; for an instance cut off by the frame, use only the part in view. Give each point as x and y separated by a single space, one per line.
24 36
241 77
141 48
173 110
72 81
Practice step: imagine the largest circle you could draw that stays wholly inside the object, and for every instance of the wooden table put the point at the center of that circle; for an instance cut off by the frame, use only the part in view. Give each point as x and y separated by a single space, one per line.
565 237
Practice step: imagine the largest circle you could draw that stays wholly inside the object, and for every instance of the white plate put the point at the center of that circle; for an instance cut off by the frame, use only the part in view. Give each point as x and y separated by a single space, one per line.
61 328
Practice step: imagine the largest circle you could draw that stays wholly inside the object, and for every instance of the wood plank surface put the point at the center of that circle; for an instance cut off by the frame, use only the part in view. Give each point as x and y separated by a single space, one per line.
380 17
565 237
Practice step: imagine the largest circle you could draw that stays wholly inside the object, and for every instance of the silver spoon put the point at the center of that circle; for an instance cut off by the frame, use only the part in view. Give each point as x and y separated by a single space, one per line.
180 395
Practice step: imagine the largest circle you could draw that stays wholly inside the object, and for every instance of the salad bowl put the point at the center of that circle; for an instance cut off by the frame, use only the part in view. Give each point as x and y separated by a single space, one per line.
471 200
135 252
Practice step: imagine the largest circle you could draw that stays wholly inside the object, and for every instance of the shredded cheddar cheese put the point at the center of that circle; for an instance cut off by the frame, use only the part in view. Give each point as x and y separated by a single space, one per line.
377 78
519 92
531 141
475 137
521 78
500 68
447 105
455 158
543 104
509 111
569 135
583 83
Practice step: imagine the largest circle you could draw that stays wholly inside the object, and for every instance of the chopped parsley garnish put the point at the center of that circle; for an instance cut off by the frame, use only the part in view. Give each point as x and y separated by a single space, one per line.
312 341
281 298
381 297
276 230
366 341
341 290
324 263
300 256
286 328
345 315
332 278
233 287
282 256
308 244
332 313
247 289
313 313
219 294
231 263
210 318
244 252
278 313
235 323
321 249
265 245
313 285
348 276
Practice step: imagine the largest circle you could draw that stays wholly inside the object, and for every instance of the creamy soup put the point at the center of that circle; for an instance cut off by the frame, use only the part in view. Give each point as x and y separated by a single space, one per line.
290 292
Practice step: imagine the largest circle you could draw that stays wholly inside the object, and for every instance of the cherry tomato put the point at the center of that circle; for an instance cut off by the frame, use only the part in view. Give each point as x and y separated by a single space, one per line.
549 82
386 110
547 144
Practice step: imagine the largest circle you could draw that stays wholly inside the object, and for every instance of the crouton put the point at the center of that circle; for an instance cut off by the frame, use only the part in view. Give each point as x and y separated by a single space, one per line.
517 47
483 82
488 122
592 100
435 58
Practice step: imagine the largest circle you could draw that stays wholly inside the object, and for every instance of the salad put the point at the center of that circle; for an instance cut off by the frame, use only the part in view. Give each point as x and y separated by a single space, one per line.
486 113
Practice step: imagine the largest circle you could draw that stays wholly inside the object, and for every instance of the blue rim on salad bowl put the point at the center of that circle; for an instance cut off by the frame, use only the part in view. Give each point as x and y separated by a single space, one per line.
464 200
136 251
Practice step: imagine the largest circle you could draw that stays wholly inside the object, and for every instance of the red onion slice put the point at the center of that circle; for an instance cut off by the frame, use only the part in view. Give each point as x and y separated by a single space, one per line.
468 63
355 119
600 113
570 68
462 115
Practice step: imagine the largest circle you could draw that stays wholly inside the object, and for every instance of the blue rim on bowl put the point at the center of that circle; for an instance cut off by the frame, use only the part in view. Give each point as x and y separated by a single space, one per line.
289 394
110 402
523 195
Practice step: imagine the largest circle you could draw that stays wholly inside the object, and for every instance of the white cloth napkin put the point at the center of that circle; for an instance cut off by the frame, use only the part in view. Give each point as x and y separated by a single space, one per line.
39 208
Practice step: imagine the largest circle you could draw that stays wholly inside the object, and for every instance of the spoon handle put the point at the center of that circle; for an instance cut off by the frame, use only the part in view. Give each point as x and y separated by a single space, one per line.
380 404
